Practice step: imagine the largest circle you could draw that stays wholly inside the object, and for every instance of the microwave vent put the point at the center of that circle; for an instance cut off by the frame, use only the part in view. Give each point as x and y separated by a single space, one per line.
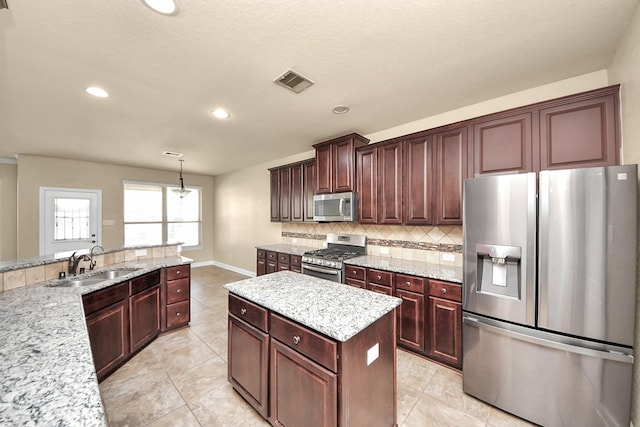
293 81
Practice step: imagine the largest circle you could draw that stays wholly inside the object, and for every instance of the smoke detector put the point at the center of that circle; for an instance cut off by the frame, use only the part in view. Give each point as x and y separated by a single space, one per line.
293 81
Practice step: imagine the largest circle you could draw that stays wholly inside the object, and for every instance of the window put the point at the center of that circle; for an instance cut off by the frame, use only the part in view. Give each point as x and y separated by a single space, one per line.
154 214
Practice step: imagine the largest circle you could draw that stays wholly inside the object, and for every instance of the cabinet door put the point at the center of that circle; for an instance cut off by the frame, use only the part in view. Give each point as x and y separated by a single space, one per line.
390 183
297 193
323 169
309 181
503 145
580 134
367 165
285 194
275 195
248 369
109 336
418 181
451 148
343 173
302 393
445 338
145 317
410 319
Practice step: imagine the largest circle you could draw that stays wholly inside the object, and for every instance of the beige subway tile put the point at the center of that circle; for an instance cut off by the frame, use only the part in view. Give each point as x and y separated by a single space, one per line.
373 250
171 251
458 261
119 257
146 254
51 271
396 253
407 254
14 279
130 255
433 257
99 260
421 255
159 252
35 275
109 259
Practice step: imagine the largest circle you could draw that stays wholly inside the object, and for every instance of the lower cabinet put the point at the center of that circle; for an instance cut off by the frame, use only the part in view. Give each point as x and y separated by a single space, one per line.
445 325
144 310
261 262
294 376
178 294
411 313
272 261
109 335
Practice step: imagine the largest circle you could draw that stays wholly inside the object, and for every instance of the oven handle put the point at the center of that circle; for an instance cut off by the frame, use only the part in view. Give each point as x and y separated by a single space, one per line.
321 270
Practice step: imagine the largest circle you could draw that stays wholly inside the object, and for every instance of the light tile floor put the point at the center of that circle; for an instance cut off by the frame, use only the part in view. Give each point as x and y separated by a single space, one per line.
181 378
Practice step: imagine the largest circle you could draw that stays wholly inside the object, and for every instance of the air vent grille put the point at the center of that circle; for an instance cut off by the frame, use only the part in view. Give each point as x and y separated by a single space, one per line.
172 154
293 81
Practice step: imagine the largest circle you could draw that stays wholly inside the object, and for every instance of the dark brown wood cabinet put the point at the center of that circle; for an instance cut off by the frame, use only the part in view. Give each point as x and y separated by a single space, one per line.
292 189
356 276
107 317
390 160
580 132
295 263
178 294
445 322
283 261
380 281
272 262
504 145
335 164
451 167
261 262
248 352
144 310
418 183
411 313
367 184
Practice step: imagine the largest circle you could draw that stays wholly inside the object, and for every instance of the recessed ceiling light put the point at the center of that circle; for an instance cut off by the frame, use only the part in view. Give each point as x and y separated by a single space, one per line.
97 91
220 113
341 109
165 7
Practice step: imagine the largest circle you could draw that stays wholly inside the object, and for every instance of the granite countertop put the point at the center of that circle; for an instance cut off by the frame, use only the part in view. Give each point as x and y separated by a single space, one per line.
46 366
333 309
286 248
448 273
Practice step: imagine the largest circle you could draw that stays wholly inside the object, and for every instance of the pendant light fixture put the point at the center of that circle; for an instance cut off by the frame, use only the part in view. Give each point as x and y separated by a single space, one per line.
181 191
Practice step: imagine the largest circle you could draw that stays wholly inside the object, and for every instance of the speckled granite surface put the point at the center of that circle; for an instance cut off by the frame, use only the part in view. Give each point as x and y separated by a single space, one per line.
46 366
286 248
334 309
449 273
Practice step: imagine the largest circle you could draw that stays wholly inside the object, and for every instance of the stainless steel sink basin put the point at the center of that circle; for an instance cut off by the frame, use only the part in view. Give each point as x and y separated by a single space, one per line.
74 282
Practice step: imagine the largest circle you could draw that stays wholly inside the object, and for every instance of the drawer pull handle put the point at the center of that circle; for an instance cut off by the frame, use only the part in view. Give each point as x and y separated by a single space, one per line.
443 290
296 339
243 311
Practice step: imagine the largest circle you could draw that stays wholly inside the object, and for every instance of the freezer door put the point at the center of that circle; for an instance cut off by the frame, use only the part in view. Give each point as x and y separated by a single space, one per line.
549 379
499 217
587 252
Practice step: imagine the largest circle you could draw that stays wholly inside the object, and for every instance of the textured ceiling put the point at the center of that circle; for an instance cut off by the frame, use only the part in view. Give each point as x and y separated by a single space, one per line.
392 62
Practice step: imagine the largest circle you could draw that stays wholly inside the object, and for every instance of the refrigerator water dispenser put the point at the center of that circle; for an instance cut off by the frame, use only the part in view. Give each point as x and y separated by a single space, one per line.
498 270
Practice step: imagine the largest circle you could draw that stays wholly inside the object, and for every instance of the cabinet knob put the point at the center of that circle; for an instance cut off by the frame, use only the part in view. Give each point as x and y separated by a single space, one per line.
296 339
379 277
179 291
178 314
177 271
408 283
243 311
443 290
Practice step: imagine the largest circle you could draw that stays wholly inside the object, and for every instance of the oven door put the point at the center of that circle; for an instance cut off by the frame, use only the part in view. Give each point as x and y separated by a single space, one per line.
331 274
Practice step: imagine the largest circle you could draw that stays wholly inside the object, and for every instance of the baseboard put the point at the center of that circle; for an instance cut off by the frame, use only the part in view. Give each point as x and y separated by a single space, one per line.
225 266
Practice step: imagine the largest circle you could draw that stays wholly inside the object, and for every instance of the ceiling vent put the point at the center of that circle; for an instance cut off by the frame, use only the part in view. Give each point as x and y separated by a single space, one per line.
293 81
172 154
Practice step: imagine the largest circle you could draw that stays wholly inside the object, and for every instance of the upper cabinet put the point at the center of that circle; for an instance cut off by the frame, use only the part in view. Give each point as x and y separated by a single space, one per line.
450 171
292 188
335 164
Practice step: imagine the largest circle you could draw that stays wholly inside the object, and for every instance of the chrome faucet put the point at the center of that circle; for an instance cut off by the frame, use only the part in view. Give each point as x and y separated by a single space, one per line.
92 263
74 261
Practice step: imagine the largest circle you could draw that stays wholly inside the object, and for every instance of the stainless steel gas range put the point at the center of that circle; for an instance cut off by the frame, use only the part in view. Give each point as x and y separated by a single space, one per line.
328 263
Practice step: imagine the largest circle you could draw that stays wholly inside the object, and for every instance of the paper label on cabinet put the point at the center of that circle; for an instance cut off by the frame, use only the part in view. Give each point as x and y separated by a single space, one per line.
372 354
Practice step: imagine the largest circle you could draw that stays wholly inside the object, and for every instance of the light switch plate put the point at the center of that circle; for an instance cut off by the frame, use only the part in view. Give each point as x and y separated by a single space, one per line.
448 257
384 251
141 252
108 222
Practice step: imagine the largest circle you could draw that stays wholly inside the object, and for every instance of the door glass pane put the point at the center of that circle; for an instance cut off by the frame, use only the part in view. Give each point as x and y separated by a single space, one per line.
142 203
186 232
186 208
142 234
71 219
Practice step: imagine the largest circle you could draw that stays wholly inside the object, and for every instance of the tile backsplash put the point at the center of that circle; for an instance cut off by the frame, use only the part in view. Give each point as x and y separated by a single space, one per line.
434 244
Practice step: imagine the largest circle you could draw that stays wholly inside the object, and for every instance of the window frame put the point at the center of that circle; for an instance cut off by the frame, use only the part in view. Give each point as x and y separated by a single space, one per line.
164 222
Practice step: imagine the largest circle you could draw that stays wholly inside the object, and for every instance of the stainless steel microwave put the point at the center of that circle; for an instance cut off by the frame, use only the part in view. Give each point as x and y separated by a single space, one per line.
335 207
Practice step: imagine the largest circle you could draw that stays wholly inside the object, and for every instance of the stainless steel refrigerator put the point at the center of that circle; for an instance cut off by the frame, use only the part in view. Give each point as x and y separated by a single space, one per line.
549 294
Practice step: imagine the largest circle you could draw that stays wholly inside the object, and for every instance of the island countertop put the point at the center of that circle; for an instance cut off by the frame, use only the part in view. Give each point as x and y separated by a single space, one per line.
336 310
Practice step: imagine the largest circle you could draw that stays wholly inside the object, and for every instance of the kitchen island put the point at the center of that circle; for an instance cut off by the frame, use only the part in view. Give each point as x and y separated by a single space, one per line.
306 351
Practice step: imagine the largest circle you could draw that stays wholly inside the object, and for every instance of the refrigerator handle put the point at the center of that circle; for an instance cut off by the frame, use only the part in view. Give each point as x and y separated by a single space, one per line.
602 354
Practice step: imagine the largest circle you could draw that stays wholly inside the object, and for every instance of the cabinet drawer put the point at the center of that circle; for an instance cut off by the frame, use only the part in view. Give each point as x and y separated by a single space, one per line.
141 283
283 258
178 272
105 297
355 272
249 312
380 277
296 260
316 347
262 254
410 283
450 291
178 314
355 283
272 256
178 290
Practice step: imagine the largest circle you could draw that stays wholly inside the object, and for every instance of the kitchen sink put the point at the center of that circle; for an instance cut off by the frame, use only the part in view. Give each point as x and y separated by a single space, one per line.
74 282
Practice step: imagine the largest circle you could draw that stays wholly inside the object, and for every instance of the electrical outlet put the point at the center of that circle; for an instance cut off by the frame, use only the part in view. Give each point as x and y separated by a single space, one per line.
141 252
448 257
108 222
384 251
